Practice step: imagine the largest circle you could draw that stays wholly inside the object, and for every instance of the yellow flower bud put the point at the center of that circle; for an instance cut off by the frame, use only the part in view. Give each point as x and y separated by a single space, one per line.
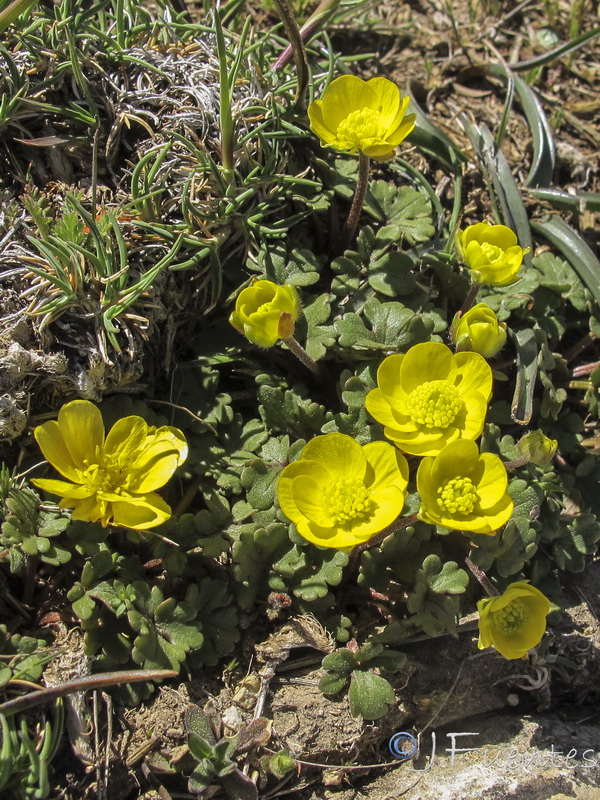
266 312
537 448
491 252
478 330
354 114
515 621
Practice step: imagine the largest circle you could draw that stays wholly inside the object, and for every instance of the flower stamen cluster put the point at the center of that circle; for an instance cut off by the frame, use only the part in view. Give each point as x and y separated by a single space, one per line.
458 496
434 404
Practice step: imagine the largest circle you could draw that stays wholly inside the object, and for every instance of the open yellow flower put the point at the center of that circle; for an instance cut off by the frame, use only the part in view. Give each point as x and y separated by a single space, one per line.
340 493
479 331
491 252
515 621
430 397
464 490
266 312
361 115
112 479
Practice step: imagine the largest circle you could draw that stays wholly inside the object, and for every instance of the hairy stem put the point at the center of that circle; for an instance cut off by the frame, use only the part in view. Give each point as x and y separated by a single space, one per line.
362 184
293 33
482 578
301 354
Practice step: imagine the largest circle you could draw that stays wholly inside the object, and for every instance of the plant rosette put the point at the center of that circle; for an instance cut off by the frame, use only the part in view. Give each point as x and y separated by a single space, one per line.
479 331
513 622
464 490
340 493
369 116
112 479
431 397
491 252
266 312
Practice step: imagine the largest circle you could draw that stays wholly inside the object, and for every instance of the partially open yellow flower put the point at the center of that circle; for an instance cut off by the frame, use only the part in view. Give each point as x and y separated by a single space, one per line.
479 331
340 493
537 448
112 479
266 312
431 397
515 621
464 490
361 115
491 252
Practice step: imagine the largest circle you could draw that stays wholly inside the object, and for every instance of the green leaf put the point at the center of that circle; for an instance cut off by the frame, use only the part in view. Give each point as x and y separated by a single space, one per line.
392 274
572 246
527 369
319 337
407 210
370 695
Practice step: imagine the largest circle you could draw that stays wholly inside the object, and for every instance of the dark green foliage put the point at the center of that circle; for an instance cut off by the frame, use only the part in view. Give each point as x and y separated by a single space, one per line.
370 695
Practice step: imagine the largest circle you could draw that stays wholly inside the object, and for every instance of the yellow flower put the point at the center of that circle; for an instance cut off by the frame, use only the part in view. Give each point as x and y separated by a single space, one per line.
112 479
464 490
340 493
515 621
266 312
361 115
537 448
431 397
478 330
491 252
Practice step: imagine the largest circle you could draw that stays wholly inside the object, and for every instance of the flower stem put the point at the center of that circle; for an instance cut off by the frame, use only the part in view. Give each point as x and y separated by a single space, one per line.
316 21
470 298
303 356
482 578
516 463
362 183
293 33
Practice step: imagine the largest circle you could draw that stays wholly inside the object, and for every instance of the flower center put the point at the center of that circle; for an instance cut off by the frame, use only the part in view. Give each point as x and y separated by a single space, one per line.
510 619
458 496
110 475
265 308
434 404
359 126
495 254
347 499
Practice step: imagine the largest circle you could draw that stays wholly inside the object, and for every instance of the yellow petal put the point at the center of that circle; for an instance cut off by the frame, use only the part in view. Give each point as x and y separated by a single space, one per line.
343 96
159 456
474 374
386 466
262 328
284 485
309 499
389 383
340 454
492 485
458 459
53 446
140 513
87 510
429 361
317 123
386 99
125 439
63 489
82 429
